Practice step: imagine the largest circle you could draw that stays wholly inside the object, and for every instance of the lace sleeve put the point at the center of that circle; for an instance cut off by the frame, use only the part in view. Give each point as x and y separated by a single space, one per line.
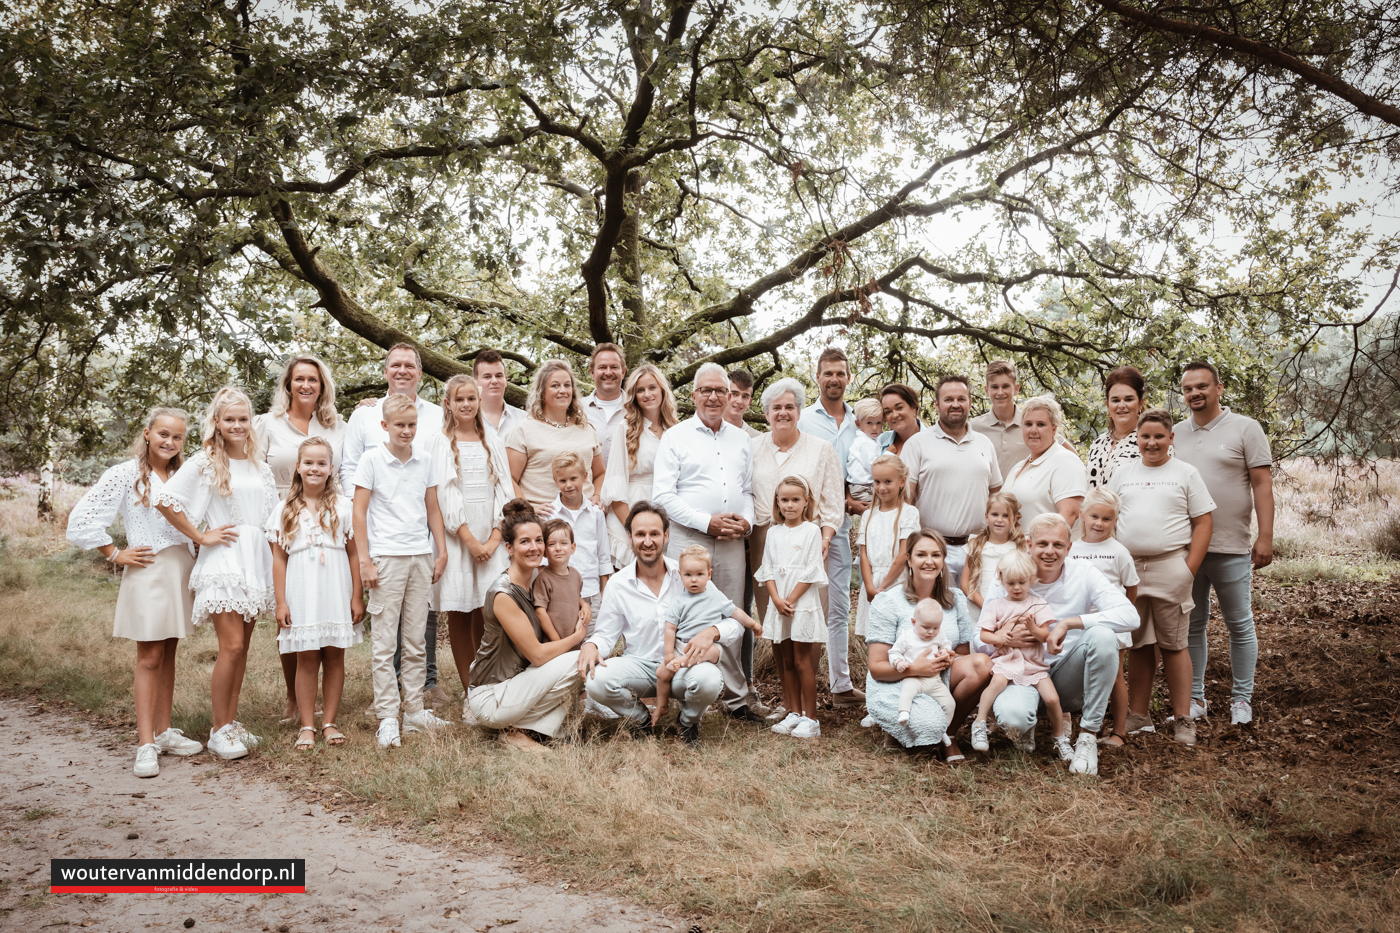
273 528
189 490
98 508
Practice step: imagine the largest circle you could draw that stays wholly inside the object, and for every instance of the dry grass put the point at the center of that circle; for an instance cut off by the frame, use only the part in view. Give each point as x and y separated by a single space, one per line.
751 832
1331 524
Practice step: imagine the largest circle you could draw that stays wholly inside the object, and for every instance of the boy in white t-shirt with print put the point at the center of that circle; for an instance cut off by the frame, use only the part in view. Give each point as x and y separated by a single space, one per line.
1106 554
398 519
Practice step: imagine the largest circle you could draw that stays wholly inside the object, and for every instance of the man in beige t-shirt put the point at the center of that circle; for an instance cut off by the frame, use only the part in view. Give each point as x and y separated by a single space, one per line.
1232 454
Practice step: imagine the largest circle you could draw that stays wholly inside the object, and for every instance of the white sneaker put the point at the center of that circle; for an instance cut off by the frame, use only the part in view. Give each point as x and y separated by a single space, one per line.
903 716
1086 755
1198 708
173 742
147 760
787 724
592 707
806 729
388 735
1063 748
225 743
468 717
979 736
868 722
425 720
1241 713
247 738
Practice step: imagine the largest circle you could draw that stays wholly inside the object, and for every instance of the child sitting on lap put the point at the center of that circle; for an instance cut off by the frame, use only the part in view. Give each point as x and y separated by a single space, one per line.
925 638
698 608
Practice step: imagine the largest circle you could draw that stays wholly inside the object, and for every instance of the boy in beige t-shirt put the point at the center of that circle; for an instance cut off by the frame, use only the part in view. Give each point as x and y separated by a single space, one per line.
558 588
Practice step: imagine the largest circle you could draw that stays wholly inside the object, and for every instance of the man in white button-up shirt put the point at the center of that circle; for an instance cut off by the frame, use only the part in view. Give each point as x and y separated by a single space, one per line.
703 478
403 370
603 407
634 607
489 371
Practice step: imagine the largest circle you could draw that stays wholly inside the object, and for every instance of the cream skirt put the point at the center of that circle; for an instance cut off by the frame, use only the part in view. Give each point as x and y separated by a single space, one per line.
155 602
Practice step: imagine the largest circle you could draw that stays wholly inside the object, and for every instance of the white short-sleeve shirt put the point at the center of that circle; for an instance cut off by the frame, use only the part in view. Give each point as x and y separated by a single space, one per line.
1158 505
397 518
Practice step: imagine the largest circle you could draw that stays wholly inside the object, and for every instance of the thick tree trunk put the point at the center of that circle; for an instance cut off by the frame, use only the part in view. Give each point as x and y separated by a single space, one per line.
629 269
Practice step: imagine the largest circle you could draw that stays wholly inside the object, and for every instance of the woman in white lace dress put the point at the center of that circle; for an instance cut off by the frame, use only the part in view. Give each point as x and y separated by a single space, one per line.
154 604
474 484
228 490
649 409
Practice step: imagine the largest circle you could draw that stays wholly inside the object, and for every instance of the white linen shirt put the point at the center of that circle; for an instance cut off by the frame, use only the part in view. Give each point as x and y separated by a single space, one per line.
700 472
397 518
115 494
365 432
591 558
510 417
632 611
605 417
1080 590
818 421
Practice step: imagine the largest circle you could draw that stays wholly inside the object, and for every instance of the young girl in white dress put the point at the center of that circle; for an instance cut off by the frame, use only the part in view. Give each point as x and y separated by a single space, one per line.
316 573
231 493
474 485
888 523
1002 535
154 603
792 569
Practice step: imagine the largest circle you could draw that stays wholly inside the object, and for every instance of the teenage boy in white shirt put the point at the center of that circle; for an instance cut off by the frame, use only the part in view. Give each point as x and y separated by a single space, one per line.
396 507
489 371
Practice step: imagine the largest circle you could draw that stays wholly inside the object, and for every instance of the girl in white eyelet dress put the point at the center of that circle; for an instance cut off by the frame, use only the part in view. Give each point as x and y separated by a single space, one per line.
228 490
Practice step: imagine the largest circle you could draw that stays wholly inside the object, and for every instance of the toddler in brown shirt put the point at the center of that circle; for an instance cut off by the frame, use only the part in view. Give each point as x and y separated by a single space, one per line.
558 588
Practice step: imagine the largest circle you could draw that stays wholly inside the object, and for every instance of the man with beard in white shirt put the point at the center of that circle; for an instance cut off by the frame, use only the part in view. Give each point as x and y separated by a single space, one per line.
603 407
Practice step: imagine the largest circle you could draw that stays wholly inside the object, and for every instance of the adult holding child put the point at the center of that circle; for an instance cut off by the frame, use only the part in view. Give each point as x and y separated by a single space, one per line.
230 491
649 410
474 485
952 470
303 406
154 604
555 424
1052 477
1232 454
522 683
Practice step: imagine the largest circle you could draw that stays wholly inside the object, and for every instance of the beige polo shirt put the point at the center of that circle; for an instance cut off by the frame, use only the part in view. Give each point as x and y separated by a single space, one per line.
1224 452
953 477
1038 485
1005 437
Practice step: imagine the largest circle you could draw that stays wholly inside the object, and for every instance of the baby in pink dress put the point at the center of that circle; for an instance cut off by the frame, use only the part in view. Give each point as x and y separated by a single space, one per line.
1018 614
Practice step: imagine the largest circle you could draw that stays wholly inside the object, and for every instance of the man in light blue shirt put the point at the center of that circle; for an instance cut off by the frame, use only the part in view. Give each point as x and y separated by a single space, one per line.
834 421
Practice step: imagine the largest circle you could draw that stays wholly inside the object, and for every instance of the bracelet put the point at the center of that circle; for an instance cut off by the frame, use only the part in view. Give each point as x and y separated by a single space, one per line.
112 557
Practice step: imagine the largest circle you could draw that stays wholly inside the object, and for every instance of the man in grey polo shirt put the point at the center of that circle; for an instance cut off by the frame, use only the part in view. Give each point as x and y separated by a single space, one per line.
1232 455
952 470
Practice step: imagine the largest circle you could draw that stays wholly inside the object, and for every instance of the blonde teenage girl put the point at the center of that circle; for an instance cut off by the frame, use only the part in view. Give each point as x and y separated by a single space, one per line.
883 531
316 573
1106 554
231 493
792 569
474 485
1002 535
154 604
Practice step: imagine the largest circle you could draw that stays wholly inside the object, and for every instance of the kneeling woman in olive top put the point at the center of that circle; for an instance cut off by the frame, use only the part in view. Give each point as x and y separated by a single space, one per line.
520 682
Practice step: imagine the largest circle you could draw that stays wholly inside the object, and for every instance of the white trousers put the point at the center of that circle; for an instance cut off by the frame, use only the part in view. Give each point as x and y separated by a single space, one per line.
538 698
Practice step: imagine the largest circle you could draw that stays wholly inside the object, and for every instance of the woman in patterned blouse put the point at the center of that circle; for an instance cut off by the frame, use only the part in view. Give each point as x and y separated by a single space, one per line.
1123 392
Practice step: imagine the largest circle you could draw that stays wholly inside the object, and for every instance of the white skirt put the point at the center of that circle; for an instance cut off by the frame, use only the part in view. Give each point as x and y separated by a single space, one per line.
464 583
155 602
318 596
234 577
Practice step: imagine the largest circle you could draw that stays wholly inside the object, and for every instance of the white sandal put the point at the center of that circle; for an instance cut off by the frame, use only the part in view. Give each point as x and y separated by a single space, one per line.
304 744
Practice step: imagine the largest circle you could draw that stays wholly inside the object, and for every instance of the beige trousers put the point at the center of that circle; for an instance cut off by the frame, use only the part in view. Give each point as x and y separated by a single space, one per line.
399 601
538 698
728 569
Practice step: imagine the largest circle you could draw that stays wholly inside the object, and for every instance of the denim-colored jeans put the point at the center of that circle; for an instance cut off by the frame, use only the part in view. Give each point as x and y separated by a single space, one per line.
1231 575
1083 678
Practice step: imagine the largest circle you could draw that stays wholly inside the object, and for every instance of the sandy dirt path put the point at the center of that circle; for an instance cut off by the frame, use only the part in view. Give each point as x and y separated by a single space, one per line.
62 794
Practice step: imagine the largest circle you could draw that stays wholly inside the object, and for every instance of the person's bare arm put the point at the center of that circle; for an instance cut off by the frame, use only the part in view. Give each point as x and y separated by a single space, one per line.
878 662
896 568
621 510
522 634
357 588
283 612
747 621
1131 593
1069 508
1200 541
600 472
368 573
439 535
867 578
224 534
797 593
1261 480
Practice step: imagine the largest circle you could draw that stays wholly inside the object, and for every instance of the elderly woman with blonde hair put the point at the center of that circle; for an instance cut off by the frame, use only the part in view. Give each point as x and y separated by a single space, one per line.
1052 478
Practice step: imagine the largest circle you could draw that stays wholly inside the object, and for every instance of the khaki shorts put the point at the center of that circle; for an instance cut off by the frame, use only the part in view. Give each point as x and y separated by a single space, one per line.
1164 601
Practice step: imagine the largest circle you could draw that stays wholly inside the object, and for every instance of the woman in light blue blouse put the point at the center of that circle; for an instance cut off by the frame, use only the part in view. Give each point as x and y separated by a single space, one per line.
890 615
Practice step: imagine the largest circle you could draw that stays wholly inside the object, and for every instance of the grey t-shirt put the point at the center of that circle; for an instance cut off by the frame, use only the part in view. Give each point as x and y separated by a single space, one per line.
692 613
1224 452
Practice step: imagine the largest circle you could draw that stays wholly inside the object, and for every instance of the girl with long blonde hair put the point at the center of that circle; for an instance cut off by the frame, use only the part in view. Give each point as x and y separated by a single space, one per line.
474 485
154 603
1000 537
649 409
228 491
887 524
316 572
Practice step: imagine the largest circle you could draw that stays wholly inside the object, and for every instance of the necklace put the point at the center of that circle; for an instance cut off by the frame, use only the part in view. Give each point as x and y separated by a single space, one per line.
554 424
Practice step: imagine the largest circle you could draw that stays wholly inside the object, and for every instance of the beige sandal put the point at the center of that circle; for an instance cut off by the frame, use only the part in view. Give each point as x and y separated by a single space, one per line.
305 744
333 740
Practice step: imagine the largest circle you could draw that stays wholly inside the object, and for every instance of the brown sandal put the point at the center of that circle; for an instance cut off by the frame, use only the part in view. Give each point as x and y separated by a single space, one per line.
336 740
1107 743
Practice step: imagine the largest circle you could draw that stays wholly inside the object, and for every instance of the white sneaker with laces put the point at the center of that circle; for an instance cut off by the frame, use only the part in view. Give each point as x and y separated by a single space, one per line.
979 736
247 738
224 742
1063 747
1241 713
592 707
868 722
1086 755
1198 708
388 734
147 760
806 729
174 742
787 724
425 720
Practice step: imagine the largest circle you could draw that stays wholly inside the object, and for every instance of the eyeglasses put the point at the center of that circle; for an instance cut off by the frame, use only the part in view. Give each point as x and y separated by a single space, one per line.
709 392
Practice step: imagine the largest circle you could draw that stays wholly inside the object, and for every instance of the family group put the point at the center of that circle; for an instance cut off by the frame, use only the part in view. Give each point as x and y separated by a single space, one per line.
600 546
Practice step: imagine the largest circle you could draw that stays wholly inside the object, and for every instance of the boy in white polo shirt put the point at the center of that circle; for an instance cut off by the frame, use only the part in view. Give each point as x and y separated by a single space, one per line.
591 557
396 508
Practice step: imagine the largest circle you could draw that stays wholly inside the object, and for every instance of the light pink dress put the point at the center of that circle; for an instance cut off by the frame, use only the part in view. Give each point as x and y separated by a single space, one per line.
1023 666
